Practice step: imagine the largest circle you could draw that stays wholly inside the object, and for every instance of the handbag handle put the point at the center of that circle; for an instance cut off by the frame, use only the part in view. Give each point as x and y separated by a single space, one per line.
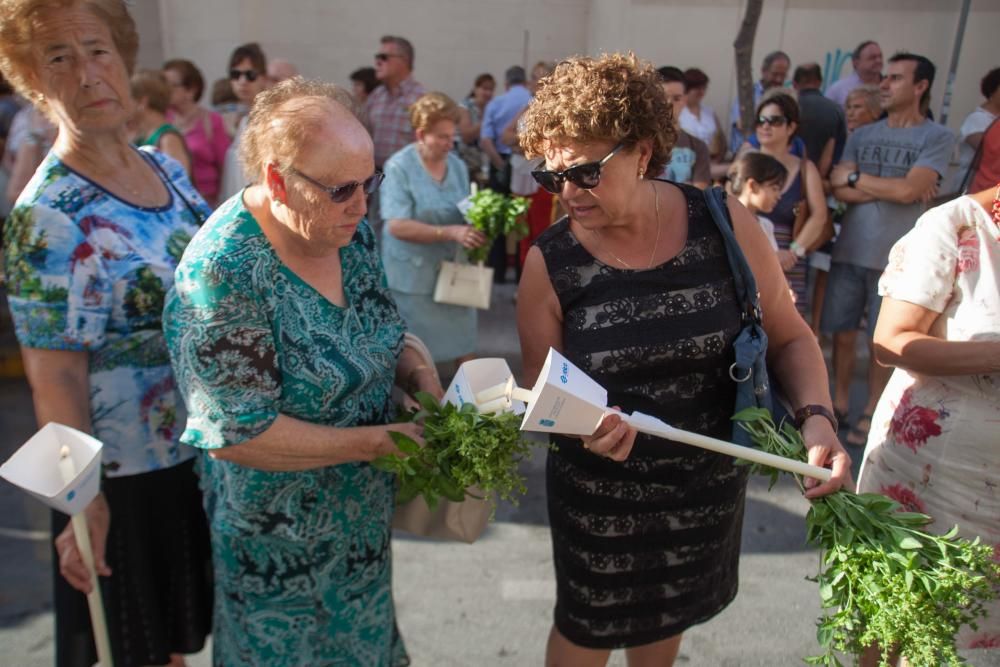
746 284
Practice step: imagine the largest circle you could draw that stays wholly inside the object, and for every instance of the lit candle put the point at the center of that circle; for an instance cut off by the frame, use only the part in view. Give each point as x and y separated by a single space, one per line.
496 405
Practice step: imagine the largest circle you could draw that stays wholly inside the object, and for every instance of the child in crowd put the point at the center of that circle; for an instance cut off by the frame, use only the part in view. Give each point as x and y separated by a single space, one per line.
757 179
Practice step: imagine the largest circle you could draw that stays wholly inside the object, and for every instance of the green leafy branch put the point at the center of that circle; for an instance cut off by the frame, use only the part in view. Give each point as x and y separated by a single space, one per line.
884 581
494 214
462 448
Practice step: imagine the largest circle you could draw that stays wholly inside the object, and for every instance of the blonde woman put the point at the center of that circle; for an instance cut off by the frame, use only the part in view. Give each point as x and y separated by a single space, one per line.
423 183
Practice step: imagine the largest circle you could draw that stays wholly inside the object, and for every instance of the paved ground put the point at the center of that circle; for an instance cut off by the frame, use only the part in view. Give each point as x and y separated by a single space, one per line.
484 604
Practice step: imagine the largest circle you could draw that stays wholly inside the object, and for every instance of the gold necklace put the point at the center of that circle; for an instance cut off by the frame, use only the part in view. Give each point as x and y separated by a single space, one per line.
656 244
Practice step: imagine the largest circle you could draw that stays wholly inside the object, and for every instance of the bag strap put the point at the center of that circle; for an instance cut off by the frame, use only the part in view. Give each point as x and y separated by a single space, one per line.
170 184
746 285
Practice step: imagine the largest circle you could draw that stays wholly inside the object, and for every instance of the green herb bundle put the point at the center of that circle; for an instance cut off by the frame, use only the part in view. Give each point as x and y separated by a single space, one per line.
462 448
494 214
883 581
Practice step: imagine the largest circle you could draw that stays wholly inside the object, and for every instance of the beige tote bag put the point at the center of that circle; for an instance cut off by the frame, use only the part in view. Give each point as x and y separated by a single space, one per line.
459 521
464 285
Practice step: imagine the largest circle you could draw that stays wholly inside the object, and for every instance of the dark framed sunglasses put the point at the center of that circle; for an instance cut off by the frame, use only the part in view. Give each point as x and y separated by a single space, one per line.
586 176
341 193
249 74
773 121
383 57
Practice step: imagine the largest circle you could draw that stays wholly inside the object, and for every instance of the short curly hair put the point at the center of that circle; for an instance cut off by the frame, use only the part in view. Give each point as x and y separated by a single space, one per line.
20 18
284 119
615 98
431 108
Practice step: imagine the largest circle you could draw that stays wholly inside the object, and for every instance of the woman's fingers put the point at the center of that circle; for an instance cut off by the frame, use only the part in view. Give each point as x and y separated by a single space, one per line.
613 438
71 565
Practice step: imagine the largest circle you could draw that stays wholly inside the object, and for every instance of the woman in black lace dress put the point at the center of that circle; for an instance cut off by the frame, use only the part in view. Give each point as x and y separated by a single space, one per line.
634 288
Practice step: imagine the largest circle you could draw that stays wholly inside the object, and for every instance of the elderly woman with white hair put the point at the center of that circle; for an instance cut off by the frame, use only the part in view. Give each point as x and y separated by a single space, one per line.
286 343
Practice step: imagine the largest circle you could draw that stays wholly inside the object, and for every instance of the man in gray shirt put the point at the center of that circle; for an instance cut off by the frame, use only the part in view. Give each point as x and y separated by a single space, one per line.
889 170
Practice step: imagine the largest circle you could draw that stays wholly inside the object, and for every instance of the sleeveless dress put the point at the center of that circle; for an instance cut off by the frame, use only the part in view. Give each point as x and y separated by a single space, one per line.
646 548
783 217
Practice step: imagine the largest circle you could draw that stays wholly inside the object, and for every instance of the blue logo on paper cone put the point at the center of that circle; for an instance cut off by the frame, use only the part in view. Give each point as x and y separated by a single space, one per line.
546 422
71 495
565 372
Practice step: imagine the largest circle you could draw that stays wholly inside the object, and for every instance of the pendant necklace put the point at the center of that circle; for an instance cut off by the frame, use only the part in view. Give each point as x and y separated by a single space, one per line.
656 244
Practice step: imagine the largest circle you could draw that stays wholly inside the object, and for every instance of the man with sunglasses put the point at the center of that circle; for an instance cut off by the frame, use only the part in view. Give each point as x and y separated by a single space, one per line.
387 107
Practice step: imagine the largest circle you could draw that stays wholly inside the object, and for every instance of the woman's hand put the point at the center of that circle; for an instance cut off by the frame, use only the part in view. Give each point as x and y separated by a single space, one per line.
787 259
825 450
71 564
466 235
613 439
410 429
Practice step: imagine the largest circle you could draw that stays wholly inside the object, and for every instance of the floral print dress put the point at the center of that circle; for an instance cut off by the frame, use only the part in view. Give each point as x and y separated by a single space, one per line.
302 559
87 271
933 445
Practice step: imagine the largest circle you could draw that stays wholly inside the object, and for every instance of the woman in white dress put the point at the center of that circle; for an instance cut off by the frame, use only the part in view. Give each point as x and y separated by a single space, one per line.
933 443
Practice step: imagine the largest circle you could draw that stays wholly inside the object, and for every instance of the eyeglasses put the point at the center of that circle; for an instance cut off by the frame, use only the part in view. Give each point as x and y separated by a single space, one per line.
586 176
249 74
382 57
341 193
773 121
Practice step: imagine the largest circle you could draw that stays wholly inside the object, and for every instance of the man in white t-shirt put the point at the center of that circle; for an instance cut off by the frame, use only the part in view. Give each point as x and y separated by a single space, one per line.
867 62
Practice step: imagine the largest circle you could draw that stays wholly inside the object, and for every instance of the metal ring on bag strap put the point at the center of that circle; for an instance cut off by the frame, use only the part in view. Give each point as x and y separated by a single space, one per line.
732 374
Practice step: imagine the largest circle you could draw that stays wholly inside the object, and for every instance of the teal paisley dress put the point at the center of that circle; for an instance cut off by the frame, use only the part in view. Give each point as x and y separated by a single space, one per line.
302 559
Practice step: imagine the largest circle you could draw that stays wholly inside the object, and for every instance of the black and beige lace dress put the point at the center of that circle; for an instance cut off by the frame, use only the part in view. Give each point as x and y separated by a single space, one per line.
647 548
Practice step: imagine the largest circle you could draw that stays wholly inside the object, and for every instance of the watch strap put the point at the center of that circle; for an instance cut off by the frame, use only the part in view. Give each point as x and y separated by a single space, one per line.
812 410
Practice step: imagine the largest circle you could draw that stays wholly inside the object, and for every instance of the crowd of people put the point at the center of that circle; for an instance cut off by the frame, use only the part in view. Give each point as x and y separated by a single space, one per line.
226 296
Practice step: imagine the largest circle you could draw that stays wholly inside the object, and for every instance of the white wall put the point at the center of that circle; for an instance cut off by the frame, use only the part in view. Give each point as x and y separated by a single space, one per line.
454 40
457 39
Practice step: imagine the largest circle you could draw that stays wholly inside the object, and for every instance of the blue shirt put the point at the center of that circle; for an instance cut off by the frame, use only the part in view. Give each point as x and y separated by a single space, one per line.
500 111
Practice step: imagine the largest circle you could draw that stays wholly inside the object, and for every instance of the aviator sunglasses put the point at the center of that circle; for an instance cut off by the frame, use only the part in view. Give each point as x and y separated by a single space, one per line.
341 193
586 176
249 74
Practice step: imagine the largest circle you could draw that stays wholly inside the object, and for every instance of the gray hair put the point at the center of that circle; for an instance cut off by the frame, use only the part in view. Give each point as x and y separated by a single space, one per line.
514 75
404 45
770 58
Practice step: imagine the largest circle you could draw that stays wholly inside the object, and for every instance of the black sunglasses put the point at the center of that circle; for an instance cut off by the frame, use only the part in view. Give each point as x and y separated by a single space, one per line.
251 75
341 193
773 121
586 176
382 57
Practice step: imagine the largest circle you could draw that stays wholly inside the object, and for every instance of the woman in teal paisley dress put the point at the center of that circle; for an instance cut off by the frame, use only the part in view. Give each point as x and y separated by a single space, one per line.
286 344
90 251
